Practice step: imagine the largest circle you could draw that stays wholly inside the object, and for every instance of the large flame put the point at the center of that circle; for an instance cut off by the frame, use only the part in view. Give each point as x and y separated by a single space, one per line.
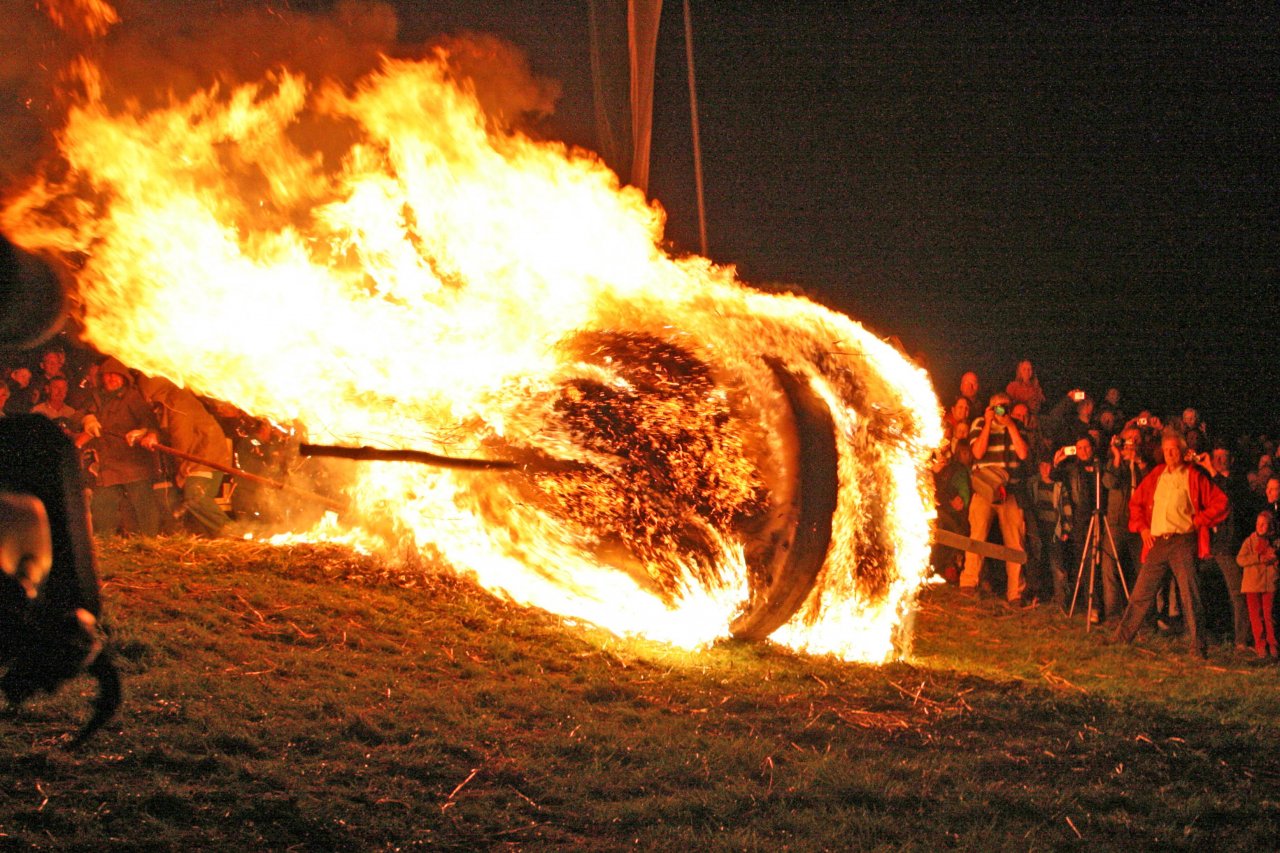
385 264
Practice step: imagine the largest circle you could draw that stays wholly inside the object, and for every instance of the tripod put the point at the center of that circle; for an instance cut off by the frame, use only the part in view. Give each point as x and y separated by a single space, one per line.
1092 552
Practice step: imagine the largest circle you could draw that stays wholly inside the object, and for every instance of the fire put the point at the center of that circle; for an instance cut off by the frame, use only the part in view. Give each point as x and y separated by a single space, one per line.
92 17
386 264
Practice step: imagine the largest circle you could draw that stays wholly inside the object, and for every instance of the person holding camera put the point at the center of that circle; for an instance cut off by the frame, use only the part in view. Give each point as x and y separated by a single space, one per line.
998 446
1076 468
1174 509
1125 469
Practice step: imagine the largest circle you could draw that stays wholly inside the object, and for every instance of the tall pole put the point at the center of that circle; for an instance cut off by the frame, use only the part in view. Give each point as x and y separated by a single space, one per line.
697 145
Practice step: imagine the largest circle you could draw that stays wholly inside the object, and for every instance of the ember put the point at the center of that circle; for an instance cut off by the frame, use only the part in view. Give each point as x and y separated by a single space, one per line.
385 263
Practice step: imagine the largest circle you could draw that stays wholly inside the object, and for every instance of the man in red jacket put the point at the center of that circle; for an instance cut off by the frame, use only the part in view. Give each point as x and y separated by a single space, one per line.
1174 509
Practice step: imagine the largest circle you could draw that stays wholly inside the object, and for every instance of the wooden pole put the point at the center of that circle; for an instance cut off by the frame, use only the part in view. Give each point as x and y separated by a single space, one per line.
422 457
339 506
697 135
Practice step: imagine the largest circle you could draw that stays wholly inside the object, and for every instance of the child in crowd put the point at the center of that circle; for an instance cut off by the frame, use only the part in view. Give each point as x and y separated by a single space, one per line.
1257 558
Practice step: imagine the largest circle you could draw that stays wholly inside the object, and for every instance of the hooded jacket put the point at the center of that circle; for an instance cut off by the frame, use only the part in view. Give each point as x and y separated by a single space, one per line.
119 413
186 425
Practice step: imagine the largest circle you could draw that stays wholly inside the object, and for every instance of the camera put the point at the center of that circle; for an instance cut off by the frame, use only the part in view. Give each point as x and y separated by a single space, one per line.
999 409
1077 395
1142 421
1069 450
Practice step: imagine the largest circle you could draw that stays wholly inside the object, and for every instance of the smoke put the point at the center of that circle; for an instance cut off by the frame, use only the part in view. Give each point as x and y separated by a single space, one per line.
161 50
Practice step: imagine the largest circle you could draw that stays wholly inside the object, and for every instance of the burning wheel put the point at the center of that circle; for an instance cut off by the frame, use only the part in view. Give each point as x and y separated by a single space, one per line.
675 462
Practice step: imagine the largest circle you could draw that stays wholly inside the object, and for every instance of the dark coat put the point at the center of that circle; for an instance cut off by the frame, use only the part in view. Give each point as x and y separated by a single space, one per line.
119 413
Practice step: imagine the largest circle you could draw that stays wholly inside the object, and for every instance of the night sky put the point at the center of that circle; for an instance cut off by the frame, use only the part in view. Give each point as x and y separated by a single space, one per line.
1095 193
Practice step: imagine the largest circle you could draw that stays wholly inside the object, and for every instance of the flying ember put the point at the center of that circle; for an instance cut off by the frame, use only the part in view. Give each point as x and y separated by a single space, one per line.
388 264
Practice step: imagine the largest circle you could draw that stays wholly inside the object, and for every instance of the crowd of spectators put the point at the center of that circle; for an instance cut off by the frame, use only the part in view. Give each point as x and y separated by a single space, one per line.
154 456
1125 518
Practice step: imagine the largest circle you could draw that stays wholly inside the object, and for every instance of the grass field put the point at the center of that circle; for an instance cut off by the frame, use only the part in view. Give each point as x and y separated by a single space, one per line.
310 699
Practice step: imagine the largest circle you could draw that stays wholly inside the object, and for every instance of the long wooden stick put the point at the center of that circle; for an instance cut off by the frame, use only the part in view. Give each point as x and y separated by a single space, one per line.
978 546
245 475
422 457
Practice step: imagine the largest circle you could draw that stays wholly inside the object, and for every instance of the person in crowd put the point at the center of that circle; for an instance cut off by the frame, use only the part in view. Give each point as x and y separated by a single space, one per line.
1195 431
1258 477
1076 469
1124 470
1271 496
189 428
124 473
1150 434
952 489
1174 509
1108 427
1258 575
1045 538
54 405
52 365
1111 403
1224 541
21 397
1072 419
996 441
955 423
1021 413
4 397
1025 388
969 388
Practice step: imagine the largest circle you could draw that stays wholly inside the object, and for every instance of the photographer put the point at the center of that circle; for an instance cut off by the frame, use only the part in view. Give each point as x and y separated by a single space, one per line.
1076 468
998 446
1124 470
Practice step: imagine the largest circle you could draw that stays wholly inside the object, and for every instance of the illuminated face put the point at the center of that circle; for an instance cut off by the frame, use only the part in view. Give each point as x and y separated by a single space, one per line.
21 375
1020 413
4 394
1189 417
1273 490
52 363
969 384
1113 396
112 381
1222 460
1084 450
1172 450
1129 448
1264 524
57 391
1025 371
960 410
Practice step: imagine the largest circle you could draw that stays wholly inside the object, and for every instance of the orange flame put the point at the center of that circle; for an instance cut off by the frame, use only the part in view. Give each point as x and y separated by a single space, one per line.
387 265
92 17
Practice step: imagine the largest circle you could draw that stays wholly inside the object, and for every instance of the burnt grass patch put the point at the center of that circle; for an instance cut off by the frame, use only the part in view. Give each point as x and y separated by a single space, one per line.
312 699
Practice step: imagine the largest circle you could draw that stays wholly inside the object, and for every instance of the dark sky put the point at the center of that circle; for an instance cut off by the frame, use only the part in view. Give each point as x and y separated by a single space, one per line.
1097 193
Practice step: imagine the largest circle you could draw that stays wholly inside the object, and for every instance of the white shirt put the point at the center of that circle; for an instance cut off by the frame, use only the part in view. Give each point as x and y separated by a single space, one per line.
1172 510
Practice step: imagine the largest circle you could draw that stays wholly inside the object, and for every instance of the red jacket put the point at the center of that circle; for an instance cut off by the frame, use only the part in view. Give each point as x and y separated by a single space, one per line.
1208 505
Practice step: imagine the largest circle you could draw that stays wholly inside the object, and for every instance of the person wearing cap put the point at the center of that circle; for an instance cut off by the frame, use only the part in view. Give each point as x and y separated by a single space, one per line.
188 427
125 473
